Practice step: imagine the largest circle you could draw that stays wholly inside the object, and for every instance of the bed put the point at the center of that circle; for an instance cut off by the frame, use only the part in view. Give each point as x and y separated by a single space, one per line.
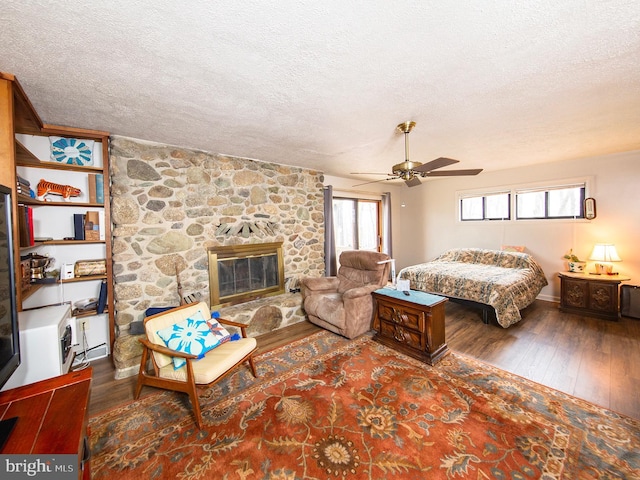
498 281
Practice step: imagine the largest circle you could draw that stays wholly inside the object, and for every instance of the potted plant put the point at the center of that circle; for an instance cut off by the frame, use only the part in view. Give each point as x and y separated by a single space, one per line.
575 264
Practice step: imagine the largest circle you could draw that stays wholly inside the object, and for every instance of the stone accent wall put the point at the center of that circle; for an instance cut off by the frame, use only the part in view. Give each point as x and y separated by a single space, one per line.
169 204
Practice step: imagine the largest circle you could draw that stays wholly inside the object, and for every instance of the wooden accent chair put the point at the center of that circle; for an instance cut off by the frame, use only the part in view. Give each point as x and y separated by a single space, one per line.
206 371
343 304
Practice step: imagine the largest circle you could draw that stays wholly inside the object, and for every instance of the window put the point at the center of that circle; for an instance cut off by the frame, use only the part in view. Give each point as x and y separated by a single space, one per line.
529 203
491 206
566 201
357 224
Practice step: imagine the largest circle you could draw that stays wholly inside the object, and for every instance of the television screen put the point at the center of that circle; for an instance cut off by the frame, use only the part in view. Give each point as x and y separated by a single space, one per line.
9 332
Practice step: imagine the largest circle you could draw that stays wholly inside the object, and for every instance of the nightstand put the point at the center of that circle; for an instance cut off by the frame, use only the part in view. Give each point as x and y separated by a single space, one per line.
412 324
595 295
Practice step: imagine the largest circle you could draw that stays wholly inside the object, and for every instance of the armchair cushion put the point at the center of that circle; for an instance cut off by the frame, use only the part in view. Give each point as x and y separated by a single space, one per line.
359 268
192 335
214 364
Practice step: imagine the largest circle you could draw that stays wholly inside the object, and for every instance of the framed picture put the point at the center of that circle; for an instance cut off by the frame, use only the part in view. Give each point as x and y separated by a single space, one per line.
72 151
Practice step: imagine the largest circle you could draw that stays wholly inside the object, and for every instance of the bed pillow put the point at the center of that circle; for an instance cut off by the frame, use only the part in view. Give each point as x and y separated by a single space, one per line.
513 248
192 335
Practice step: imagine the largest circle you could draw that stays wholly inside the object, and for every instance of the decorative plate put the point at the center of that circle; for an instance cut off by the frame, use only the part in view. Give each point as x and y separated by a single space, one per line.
71 151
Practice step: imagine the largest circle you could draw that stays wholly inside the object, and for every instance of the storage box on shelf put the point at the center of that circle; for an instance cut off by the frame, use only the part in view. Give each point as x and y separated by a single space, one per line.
25 157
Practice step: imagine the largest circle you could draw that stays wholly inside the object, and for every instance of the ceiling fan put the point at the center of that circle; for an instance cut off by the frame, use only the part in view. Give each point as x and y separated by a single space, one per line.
411 172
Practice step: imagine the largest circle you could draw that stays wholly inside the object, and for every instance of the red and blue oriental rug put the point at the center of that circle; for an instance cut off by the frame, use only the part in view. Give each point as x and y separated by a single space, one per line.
330 408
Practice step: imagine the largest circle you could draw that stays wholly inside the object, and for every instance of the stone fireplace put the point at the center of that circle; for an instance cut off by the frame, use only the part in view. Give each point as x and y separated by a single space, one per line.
171 205
241 273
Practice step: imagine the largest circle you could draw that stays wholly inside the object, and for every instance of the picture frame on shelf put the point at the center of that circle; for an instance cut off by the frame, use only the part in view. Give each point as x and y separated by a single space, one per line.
72 151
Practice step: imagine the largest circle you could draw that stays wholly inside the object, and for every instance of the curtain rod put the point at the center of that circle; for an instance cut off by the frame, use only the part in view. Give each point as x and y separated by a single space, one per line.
360 192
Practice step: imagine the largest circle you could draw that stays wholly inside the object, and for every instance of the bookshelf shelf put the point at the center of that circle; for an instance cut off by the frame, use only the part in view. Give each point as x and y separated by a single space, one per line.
39 203
70 242
24 158
33 288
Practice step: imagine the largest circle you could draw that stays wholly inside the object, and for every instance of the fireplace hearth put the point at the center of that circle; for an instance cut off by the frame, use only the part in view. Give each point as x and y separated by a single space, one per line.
241 273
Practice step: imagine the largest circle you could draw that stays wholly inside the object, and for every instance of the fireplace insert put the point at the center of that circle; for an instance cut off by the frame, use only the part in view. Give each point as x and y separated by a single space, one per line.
241 273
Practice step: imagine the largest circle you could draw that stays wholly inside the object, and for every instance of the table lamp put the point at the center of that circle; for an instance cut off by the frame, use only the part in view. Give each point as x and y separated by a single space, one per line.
604 254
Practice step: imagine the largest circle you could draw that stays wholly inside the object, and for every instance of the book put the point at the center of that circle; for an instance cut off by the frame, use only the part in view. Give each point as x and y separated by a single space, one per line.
92 226
99 177
23 228
101 224
102 297
23 181
32 241
78 226
92 187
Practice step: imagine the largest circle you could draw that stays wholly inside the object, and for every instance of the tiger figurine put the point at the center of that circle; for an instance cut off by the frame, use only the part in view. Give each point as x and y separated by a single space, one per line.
45 187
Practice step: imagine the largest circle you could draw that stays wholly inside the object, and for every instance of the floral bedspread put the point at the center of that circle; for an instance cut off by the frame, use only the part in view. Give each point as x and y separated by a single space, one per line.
508 281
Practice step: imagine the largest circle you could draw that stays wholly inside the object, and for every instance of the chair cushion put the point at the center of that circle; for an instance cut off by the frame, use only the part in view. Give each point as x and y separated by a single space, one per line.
359 268
327 306
166 319
192 335
215 363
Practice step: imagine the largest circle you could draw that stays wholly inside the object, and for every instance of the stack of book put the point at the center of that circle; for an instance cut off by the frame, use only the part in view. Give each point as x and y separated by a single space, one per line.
23 186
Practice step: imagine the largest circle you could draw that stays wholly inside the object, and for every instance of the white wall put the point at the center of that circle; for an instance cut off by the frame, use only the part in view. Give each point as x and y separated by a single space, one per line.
428 224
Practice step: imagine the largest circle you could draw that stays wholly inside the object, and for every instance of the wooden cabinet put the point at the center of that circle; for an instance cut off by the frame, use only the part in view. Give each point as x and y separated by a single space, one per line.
25 151
412 324
595 295
45 424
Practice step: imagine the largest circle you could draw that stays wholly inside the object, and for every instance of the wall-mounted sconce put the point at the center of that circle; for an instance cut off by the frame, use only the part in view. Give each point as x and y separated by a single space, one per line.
403 204
589 208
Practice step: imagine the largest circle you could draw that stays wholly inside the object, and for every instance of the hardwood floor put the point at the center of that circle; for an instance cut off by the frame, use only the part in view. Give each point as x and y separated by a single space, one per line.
593 359
590 358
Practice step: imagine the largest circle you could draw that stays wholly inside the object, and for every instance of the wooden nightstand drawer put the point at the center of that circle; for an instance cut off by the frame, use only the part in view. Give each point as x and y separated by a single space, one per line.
406 336
408 317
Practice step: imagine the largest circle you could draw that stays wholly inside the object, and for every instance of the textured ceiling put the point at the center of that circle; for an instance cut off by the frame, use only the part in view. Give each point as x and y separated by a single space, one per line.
322 84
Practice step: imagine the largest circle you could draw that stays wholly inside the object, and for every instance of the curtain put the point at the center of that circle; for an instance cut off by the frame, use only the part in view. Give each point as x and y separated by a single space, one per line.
330 261
386 224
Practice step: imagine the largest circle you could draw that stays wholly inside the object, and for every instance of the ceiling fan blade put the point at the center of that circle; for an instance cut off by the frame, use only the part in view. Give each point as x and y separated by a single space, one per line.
369 173
414 182
376 181
454 173
434 164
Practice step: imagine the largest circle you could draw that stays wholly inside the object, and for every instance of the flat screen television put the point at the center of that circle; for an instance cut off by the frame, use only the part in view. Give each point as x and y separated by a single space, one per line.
9 331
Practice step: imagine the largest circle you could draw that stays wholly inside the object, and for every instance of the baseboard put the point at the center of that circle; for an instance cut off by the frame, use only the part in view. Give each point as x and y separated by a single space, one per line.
548 298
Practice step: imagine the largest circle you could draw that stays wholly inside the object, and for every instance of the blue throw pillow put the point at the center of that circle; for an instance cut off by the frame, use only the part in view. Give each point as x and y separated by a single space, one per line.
192 335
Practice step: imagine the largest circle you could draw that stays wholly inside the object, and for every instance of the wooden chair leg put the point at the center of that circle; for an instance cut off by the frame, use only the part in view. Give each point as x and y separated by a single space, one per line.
141 374
253 367
193 394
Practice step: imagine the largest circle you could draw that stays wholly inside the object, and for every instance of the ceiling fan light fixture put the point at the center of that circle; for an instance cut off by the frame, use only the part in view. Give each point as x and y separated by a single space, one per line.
411 172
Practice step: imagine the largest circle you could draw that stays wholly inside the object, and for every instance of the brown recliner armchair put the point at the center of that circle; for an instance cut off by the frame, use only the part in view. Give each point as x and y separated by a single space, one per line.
343 304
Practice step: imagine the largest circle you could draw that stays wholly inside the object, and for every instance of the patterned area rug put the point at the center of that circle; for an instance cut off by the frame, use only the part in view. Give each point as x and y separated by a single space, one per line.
326 407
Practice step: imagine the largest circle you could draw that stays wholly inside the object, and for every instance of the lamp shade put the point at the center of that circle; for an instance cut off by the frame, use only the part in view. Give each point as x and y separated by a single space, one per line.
605 252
